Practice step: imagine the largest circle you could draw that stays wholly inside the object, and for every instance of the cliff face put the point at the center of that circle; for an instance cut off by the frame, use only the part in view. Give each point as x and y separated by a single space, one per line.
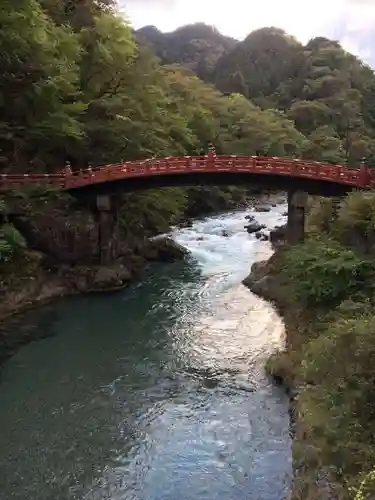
62 236
58 253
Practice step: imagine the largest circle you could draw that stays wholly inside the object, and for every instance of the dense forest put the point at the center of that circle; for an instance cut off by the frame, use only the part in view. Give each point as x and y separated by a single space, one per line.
76 85
327 94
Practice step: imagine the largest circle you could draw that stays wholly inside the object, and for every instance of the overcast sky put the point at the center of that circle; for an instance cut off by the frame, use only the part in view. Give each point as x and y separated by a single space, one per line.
350 21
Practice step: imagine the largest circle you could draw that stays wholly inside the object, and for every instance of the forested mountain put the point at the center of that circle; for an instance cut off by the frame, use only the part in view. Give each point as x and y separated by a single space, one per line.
196 46
328 93
76 85
73 74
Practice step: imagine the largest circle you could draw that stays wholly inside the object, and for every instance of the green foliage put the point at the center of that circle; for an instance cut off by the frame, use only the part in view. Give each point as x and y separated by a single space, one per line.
38 81
358 213
12 243
151 211
324 272
328 93
196 46
343 394
331 351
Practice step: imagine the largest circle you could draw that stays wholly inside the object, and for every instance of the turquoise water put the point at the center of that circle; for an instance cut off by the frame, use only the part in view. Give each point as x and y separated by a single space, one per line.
154 393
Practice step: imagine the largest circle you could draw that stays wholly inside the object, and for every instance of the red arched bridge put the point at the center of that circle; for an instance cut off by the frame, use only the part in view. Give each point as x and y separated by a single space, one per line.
310 176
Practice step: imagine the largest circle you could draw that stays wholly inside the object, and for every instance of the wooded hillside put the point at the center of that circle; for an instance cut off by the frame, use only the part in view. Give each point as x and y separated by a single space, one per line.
327 93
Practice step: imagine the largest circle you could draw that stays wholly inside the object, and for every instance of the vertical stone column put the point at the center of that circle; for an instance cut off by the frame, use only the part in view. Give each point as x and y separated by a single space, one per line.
297 201
106 207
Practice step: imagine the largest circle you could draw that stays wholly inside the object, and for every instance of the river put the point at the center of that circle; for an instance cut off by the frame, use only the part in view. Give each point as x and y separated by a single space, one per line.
157 392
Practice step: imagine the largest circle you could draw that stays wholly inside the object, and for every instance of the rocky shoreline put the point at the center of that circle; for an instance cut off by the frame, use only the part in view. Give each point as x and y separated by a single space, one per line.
45 273
266 282
41 285
61 258
46 284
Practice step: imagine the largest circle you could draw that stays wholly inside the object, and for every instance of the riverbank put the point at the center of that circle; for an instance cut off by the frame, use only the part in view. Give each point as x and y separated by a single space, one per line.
49 241
28 284
324 291
59 252
266 280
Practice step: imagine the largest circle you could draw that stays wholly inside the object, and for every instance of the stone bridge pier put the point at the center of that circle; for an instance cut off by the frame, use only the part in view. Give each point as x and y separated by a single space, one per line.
106 209
297 202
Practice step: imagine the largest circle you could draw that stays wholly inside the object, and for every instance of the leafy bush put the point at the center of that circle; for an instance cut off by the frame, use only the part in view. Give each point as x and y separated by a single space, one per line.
12 243
341 412
323 272
358 212
322 215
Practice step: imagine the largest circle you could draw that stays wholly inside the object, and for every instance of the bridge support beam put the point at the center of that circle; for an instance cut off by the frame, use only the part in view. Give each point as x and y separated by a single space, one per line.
107 220
297 201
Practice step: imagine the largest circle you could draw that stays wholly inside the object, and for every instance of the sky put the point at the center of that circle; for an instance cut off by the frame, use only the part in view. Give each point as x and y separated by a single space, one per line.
350 21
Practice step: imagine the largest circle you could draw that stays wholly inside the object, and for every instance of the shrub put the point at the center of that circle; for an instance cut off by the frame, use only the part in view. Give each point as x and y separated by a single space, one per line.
12 243
341 411
323 272
358 212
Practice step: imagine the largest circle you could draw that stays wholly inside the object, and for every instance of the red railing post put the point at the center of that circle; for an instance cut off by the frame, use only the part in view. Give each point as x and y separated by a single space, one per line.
211 156
364 175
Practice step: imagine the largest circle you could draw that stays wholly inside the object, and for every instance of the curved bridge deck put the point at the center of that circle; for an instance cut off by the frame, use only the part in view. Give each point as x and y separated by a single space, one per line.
232 169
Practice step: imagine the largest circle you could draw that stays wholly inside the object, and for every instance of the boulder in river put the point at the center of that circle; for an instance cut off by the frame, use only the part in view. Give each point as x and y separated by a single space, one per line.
110 278
225 233
261 236
165 249
85 279
254 227
250 217
262 209
278 235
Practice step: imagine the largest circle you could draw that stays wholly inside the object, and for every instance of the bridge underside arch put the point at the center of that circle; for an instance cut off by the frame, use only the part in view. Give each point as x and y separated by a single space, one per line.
243 179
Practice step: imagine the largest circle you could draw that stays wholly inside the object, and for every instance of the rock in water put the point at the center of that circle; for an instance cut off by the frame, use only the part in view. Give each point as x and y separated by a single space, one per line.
262 209
110 277
250 218
278 236
261 236
165 249
253 227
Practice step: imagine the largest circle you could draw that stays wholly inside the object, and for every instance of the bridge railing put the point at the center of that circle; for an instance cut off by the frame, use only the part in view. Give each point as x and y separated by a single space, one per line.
18 180
361 177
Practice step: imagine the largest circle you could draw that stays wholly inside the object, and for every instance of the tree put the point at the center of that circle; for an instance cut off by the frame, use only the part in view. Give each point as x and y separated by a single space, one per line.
309 115
38 77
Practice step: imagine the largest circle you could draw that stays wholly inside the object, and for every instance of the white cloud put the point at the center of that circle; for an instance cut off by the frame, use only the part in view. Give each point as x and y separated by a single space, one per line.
347 20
